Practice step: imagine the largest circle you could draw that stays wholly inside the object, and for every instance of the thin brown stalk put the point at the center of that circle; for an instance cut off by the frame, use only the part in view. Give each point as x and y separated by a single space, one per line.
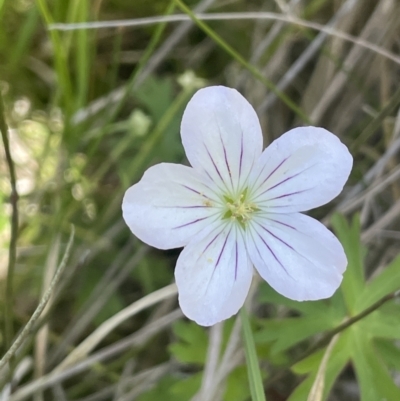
229 17
27 329
12 254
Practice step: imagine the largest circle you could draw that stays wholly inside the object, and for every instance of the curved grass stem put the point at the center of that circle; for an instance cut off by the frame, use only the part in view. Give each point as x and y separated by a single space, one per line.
12 254
27 329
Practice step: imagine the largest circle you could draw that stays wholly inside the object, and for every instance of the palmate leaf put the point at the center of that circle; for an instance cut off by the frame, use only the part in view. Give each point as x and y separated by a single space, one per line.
389 352
383 323
386 282
337 361
269 296
315 317
287 332
373 376
364 345
353 280
354 347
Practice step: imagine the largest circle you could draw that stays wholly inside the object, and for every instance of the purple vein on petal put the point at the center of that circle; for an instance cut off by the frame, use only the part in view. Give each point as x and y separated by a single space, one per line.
275 236
280 222
279 183
286 195
224 149
273 254
191 222
213 162
285 180
209 244
226 159
199 193
281 240
219 257
275 170
270 174
195 191
222 250
209 176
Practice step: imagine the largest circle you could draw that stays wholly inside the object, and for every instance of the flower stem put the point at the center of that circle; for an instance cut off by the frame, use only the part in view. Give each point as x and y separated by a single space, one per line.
253 368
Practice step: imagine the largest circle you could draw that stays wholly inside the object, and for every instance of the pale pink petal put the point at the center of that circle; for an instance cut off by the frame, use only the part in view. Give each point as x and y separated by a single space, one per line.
213 275
169 205
303 169
221 135
298 256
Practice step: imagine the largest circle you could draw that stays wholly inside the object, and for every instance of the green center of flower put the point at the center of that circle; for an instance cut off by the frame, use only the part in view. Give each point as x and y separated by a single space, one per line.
239 209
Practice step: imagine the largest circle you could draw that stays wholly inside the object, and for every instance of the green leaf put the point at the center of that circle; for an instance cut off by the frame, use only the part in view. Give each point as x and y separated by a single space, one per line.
387 282
174 388
253 368
302 390
186 389
309 364
267 294
236 385
160 391
192 344
383 323
353 280
338 360
290 331
373 377
156 94
389 352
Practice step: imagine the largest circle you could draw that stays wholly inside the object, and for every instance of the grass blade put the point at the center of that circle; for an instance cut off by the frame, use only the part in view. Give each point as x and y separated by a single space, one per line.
253 369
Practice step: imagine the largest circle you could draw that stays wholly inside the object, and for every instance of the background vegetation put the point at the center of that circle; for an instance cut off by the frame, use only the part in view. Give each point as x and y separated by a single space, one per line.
88 110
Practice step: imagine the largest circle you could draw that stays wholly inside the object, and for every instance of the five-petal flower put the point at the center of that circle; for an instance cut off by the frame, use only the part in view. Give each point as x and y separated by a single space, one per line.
238 207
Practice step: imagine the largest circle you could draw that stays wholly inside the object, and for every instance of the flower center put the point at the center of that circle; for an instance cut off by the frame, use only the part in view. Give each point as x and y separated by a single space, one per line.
239 209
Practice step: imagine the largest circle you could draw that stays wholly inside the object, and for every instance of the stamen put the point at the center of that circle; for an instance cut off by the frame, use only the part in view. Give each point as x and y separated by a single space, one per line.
239 209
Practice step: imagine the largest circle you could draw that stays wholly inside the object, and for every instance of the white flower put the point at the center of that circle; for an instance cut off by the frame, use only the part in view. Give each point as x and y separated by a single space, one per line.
238 207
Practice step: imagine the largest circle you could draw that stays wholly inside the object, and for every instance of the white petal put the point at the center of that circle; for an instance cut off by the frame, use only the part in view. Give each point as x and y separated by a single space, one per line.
221 134
213 275
169 205
298 256
303 169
